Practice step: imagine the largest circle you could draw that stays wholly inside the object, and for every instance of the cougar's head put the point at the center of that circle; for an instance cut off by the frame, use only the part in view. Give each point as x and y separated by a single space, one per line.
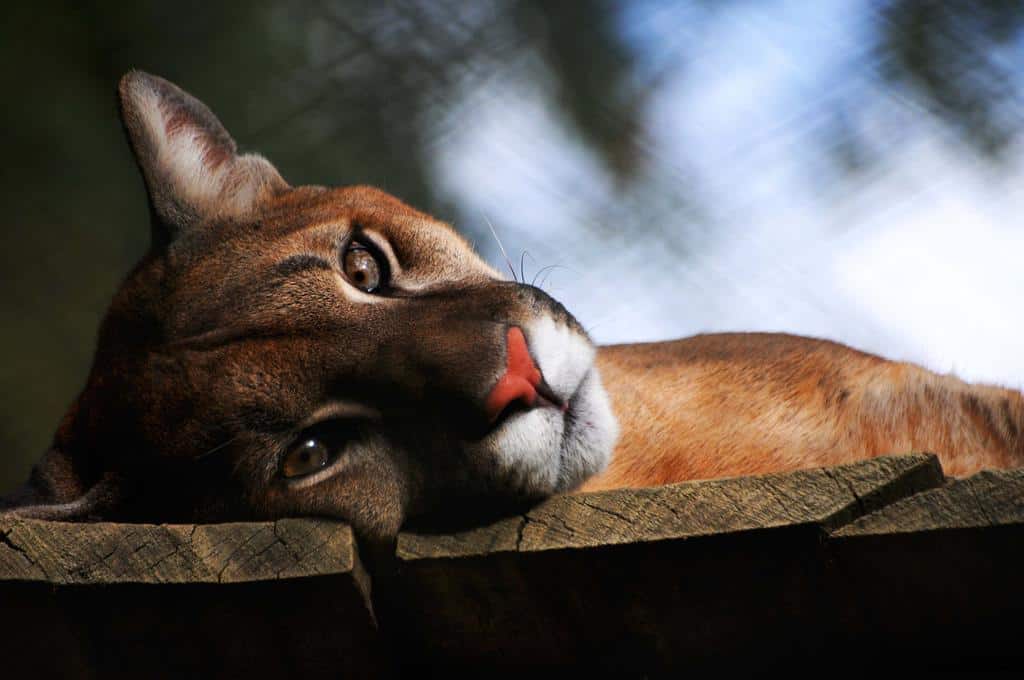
311 351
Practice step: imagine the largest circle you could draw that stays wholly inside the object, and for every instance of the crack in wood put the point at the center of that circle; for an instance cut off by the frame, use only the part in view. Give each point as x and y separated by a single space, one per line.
230 558
626 520
5 539
523 521
972 487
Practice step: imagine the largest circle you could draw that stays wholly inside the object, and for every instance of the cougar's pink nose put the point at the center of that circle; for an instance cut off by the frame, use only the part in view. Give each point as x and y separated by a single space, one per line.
520 382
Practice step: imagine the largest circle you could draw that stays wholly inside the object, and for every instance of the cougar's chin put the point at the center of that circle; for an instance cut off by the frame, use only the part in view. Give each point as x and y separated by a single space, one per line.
546 450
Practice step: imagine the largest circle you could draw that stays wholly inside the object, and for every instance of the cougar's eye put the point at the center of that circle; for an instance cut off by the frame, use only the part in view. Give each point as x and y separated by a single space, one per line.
307 457
362 268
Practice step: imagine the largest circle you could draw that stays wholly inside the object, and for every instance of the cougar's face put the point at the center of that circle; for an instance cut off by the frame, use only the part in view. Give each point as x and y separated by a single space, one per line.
364 363
305 351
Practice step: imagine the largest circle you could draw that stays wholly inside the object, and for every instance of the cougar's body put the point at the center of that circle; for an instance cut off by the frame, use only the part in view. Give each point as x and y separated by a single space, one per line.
748 403
312 351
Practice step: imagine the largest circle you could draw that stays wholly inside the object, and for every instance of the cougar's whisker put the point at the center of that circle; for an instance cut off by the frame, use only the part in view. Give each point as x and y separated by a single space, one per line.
503 253
547 268
216 448
522 265
550 269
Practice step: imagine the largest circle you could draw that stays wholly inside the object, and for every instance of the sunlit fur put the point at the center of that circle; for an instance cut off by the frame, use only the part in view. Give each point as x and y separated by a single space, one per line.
748 403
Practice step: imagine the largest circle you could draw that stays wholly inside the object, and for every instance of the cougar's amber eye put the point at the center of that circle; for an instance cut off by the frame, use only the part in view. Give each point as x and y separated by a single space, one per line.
307 457
362 268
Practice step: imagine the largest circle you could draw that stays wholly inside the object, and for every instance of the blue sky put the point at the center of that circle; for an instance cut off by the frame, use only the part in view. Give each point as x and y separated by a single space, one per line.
751 225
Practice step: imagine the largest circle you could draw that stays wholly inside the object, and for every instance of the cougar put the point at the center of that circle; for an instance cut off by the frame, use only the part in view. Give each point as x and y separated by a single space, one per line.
312 351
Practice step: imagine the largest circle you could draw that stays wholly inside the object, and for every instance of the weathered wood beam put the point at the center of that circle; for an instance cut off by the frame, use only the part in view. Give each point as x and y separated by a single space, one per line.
63 553
826 498
987 500
938 575
704 572
862 562
99 600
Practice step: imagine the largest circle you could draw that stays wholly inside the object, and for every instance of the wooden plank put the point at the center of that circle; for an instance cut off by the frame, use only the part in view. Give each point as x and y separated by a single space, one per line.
988 499
939 573
117 600
827 497
717 573
64 553
879 557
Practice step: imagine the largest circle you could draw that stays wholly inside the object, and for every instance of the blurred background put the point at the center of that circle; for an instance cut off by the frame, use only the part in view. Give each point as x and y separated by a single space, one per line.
844 169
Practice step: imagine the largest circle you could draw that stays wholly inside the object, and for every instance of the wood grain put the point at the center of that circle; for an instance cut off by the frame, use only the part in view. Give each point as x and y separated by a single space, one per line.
881 557
716 574
64 553
988 499
938 573
285 598
827 498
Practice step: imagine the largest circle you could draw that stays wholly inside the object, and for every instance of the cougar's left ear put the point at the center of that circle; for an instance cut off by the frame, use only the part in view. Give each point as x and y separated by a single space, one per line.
57 491
189 162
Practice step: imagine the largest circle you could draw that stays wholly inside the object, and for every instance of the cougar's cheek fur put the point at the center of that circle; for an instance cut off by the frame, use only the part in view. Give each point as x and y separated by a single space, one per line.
310 351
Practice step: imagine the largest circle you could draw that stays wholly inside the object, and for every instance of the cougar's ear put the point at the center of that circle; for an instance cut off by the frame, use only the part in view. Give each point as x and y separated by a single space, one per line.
56 491
189 162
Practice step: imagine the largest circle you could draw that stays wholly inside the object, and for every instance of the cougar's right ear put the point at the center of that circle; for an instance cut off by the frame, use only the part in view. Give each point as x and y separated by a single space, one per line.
189 162
57 491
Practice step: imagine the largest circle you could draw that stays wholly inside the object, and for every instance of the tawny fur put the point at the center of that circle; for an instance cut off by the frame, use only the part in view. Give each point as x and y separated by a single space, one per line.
748 403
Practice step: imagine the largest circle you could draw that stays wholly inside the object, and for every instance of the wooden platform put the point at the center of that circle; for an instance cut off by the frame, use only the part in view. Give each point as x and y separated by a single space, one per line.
880 561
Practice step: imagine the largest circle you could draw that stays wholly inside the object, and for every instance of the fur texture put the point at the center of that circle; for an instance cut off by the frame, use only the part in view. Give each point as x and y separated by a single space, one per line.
749 403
